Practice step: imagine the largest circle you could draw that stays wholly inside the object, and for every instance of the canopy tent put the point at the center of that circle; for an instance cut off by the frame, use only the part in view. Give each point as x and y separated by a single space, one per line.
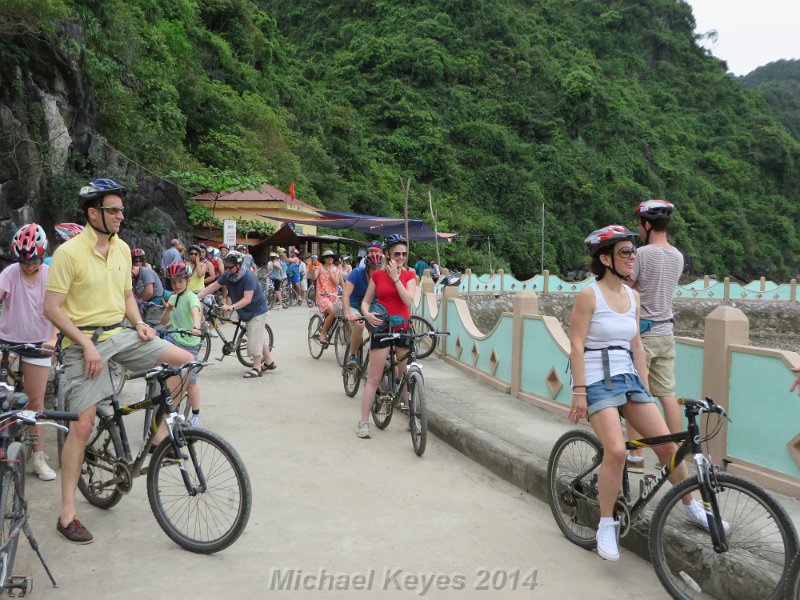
376 226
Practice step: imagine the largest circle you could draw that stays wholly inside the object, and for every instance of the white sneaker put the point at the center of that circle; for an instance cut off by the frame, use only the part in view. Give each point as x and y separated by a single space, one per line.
195 421
696 515
607 544
212 332
363 430
41 468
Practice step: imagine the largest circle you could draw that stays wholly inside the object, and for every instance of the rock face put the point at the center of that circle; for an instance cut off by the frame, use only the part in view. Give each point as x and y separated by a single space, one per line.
772 324
49 147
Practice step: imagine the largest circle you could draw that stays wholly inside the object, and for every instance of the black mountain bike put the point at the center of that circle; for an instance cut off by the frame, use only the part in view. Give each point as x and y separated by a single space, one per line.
14 443
197 484
238 343
748 529
390 389
793 582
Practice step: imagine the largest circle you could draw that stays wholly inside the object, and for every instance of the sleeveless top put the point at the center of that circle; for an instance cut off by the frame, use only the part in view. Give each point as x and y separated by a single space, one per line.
610 328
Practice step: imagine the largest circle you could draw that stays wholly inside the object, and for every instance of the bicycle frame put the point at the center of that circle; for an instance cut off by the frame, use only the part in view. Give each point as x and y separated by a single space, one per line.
228 347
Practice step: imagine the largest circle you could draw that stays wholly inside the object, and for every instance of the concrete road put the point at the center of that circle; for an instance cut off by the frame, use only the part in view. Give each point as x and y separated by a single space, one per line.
362 518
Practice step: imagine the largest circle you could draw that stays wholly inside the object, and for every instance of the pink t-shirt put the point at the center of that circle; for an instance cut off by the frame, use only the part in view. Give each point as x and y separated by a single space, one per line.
23 319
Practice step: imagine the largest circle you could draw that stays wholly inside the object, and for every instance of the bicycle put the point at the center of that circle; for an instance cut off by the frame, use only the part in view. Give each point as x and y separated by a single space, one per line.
352 376
311 294
238 343
425 344
14 442
197 485
338 334
746 526
289 295
390 389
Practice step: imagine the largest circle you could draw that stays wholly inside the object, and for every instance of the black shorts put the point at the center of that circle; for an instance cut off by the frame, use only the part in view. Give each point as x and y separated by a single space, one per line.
385 342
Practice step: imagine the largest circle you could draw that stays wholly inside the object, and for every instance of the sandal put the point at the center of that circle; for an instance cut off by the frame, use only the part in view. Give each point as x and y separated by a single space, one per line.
252 374
323 339
268 367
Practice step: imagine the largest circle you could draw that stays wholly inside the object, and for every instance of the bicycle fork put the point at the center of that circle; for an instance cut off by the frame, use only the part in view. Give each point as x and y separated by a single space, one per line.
708 492
193 490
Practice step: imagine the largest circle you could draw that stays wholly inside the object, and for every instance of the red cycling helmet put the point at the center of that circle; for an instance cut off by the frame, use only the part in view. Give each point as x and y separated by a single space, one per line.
177 270
137 253
67 231
29 243
654 209
373 260
607 236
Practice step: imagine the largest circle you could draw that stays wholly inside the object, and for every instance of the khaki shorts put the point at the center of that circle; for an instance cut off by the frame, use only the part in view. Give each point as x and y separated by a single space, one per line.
123 347
256 335
660 351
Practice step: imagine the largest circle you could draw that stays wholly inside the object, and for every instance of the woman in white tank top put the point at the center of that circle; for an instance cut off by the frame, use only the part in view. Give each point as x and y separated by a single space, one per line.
609 373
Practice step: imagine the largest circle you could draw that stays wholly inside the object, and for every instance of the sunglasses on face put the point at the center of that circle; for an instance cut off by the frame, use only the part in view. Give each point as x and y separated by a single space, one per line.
192 253
399 253
230 267
626 252
112 210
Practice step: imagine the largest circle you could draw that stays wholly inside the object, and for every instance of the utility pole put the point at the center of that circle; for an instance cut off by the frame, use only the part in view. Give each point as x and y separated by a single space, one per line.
489 239
541 262
435 229
406 190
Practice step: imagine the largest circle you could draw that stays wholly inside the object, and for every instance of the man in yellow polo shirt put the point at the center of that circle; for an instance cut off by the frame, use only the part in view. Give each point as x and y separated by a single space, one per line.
88 296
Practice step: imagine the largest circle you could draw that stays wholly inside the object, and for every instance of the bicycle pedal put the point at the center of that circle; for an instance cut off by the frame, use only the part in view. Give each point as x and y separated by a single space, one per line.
19 585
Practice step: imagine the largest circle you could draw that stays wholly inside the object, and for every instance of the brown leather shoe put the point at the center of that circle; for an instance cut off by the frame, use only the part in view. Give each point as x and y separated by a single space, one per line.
74 532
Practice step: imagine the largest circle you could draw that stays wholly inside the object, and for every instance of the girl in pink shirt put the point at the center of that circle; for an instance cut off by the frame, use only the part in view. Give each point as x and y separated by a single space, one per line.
22 287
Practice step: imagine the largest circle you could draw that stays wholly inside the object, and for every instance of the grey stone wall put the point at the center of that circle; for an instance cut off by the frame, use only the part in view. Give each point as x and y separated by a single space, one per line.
772 324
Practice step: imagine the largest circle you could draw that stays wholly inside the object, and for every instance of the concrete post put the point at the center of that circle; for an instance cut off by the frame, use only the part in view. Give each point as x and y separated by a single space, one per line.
705 281
426 283
762 285
502 274
793 290
449 292
468 275
726 289
724 326
523 303
546 284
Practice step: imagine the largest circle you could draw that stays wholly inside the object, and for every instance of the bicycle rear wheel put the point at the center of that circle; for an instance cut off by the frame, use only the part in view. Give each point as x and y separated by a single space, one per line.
417 412
215 513
760 536
241 348
102 451
311 296
12 505
423 345
314 327
382 407
351 376
341 342
572 472
793 582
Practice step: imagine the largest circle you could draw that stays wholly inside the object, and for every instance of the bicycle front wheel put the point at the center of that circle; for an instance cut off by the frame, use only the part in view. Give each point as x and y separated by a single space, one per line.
241 348
382 406
205 346
572 472
314 327
341 342
12 504
97 472
213 514
351 376
760 536
424 346
793 582
117 373
417 412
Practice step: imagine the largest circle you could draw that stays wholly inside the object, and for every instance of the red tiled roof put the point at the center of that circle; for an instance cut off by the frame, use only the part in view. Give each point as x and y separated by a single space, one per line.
267 193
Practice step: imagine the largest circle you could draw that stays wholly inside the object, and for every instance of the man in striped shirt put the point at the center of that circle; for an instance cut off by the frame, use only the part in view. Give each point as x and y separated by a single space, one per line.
656 272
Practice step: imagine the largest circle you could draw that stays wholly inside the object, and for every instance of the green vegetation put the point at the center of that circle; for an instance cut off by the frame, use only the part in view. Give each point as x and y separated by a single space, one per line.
496 106
779 81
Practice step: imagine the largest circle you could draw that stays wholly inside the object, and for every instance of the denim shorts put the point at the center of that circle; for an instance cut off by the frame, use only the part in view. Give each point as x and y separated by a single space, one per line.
624 387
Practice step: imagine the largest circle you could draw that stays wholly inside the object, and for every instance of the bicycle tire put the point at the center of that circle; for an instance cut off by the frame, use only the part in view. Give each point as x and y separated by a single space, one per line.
351 376
179 513
424 346
13 507
417 412
102 451
311 296
241 347
205 346
314 327
341 342
793 580
574 502
761 543
60 404
382 406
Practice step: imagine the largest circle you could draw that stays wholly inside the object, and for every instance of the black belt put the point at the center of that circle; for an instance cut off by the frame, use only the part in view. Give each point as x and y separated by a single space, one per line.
606 363
99 329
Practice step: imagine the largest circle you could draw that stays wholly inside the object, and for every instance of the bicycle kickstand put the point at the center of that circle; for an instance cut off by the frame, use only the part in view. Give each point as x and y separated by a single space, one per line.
35 545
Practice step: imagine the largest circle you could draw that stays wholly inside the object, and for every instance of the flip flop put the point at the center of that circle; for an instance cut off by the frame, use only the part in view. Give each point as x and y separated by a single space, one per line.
251 374
268 367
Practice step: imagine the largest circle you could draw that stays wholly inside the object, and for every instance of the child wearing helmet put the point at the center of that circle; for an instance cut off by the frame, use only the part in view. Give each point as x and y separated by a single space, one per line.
184 311
610 376
22 290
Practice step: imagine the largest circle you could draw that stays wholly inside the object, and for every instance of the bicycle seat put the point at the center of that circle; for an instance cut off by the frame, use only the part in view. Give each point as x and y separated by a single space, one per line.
13 400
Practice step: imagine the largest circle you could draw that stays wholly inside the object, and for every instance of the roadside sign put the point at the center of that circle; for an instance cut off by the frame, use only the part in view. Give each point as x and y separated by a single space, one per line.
229 232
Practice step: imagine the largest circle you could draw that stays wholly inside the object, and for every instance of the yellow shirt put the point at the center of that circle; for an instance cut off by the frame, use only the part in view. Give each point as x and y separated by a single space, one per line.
195 283
94 286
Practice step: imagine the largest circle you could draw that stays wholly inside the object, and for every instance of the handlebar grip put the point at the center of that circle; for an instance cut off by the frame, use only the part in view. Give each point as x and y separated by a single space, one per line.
59 415
135 374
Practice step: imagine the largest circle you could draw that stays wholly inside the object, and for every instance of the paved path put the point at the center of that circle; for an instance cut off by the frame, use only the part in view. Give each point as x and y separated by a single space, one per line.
324 499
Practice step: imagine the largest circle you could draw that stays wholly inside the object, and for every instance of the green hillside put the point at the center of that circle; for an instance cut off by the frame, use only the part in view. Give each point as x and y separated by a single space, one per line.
495 106
779 81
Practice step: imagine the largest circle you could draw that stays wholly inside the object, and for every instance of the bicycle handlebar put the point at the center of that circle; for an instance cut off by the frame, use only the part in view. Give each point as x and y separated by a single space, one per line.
704 406
32 417
164 371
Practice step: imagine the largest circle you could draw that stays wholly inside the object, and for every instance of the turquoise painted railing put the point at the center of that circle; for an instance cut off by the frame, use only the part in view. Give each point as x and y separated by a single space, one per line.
703 289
